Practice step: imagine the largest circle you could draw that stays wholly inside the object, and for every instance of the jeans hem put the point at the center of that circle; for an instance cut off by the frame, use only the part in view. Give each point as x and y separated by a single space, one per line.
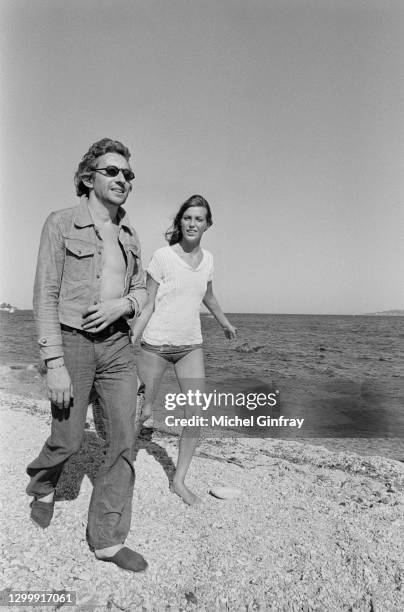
39 495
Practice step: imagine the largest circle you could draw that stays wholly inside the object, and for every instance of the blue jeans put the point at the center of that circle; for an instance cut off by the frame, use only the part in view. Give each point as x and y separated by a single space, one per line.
108 364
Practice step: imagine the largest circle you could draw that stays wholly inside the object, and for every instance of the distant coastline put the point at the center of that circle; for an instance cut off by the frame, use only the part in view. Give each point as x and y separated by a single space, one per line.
385 313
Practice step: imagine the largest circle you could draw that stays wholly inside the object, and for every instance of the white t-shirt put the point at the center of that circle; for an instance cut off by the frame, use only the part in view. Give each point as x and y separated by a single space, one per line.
175 319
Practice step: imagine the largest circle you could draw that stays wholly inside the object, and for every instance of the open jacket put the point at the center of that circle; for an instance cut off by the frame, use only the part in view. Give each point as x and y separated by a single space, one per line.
68 274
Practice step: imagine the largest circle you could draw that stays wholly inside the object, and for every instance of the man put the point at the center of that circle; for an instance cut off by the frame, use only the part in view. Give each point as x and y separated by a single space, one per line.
89 280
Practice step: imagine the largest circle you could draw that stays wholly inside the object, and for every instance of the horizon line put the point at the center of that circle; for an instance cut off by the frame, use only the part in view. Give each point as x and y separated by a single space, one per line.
396 311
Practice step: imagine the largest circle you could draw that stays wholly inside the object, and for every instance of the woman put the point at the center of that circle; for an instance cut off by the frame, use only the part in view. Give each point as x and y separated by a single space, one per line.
179 279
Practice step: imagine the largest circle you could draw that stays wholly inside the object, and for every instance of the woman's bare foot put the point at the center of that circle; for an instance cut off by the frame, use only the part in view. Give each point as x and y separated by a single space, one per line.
186 495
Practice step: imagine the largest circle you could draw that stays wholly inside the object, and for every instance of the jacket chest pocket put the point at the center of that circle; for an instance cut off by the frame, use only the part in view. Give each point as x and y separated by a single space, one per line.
79 260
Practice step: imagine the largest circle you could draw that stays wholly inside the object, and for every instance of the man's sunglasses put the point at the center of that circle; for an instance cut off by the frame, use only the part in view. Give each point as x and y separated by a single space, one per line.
128 175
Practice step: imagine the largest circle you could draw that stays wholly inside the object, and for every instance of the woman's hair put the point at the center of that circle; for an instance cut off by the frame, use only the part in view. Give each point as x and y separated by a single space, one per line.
85 167
174 233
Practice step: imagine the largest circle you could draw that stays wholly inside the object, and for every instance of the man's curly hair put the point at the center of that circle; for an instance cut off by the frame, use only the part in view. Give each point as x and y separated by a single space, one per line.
85 167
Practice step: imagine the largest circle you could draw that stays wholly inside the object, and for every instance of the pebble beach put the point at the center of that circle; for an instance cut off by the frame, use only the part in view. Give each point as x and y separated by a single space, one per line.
312 529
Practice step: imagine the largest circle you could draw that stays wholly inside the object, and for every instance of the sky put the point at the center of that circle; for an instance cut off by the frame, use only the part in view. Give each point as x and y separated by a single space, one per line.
287 115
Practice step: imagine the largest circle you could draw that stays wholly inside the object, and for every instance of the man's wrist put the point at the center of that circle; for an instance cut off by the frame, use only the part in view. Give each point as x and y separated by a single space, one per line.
54 362
133 305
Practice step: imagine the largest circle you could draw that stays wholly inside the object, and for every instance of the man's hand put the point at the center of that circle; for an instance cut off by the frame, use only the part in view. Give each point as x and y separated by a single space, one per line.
60 390
98 317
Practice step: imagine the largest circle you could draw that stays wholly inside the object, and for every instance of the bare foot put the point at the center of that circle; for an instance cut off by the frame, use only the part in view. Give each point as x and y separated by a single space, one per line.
186 495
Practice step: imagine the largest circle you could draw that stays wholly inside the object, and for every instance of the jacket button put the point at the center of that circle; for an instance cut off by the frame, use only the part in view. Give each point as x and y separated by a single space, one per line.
79 252
43 341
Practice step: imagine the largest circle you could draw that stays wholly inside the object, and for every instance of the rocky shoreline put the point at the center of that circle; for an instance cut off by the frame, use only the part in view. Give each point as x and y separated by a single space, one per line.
312 530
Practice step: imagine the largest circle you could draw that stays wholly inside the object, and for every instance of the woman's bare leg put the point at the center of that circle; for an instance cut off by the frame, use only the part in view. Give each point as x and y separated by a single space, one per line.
150 368
190 371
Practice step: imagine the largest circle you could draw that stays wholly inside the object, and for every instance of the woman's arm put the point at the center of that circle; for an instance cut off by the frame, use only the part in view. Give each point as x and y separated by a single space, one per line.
213 306
140 322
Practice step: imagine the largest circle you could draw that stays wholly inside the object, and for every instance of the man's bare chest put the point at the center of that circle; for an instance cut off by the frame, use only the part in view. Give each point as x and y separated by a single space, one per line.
113 255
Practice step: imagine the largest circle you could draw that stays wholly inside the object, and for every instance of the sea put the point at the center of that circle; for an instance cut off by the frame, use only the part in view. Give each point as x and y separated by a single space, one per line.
343 374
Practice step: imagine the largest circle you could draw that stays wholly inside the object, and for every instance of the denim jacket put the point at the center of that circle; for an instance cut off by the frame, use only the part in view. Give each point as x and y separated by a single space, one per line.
68 274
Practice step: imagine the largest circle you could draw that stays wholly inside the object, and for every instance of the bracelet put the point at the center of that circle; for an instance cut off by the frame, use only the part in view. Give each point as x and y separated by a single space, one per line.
62 365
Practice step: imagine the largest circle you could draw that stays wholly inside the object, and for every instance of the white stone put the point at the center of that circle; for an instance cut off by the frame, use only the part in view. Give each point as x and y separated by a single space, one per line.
223 492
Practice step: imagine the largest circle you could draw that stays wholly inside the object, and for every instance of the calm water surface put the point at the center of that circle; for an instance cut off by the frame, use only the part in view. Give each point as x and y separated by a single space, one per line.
343 374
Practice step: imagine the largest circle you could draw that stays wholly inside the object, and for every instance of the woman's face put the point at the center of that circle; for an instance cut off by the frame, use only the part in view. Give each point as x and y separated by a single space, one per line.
193 223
